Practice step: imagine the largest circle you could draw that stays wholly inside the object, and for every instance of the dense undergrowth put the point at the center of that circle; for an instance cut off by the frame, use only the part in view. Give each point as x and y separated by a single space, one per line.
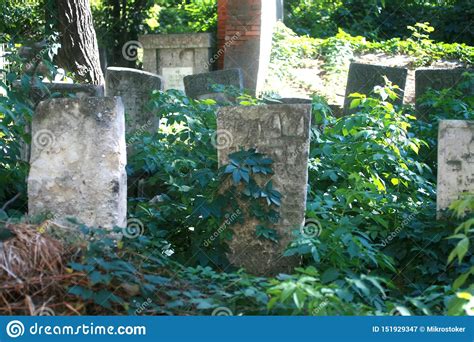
380 19
372 175
289 48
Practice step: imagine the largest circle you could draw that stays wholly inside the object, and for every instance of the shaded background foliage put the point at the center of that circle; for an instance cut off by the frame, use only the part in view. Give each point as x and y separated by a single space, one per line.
380 19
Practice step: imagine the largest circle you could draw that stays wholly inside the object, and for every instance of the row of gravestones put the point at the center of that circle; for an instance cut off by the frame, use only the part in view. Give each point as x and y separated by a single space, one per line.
362 78
78 156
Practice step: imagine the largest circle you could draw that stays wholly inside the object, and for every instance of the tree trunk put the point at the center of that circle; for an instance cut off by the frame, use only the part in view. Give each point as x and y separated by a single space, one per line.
79 52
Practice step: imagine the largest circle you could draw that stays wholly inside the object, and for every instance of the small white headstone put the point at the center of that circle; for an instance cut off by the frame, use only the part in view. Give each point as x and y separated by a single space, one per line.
455 161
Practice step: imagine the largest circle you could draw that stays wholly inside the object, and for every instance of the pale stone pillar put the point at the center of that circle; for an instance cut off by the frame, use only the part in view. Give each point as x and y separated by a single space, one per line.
78 157
455 161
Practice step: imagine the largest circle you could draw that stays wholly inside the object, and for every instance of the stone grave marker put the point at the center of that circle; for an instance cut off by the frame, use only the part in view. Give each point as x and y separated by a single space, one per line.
455 161
282 132
135 87
174 56
57 90
199 86
437 79
78 158
362 78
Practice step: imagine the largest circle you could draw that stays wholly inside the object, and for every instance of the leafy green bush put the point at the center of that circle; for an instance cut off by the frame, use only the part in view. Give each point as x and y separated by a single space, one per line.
379 19
178 169
464 235
337 51
16 110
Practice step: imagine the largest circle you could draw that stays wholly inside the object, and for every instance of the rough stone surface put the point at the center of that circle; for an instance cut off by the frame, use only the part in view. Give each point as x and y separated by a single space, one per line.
436 79
362 78
78 161
199 86
135 87
57 90
282 133
174 56
455 161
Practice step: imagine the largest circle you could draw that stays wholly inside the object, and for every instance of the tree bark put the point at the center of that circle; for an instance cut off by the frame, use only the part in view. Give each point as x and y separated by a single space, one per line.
79 52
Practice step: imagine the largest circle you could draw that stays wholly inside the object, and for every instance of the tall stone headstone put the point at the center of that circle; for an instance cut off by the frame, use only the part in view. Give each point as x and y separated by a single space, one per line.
455 161
362 78
244 33
135 87
174 56
437 79
282 132
200 86
78 158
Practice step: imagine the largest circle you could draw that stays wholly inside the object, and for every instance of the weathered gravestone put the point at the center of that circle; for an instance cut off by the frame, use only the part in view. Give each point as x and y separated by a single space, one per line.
436 79
362 78
78 157
174 56
455 161
282 133
199 86
47 90
135 87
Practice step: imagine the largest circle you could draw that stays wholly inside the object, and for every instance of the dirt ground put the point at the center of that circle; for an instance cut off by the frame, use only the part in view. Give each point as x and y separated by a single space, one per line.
312 78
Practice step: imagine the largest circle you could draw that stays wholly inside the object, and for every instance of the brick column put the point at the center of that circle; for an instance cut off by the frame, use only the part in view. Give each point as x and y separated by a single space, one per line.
221 31
244 37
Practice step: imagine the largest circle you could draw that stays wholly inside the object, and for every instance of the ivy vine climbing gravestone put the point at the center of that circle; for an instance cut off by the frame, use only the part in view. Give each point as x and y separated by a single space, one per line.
455 161
281 132
78 158
362 78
